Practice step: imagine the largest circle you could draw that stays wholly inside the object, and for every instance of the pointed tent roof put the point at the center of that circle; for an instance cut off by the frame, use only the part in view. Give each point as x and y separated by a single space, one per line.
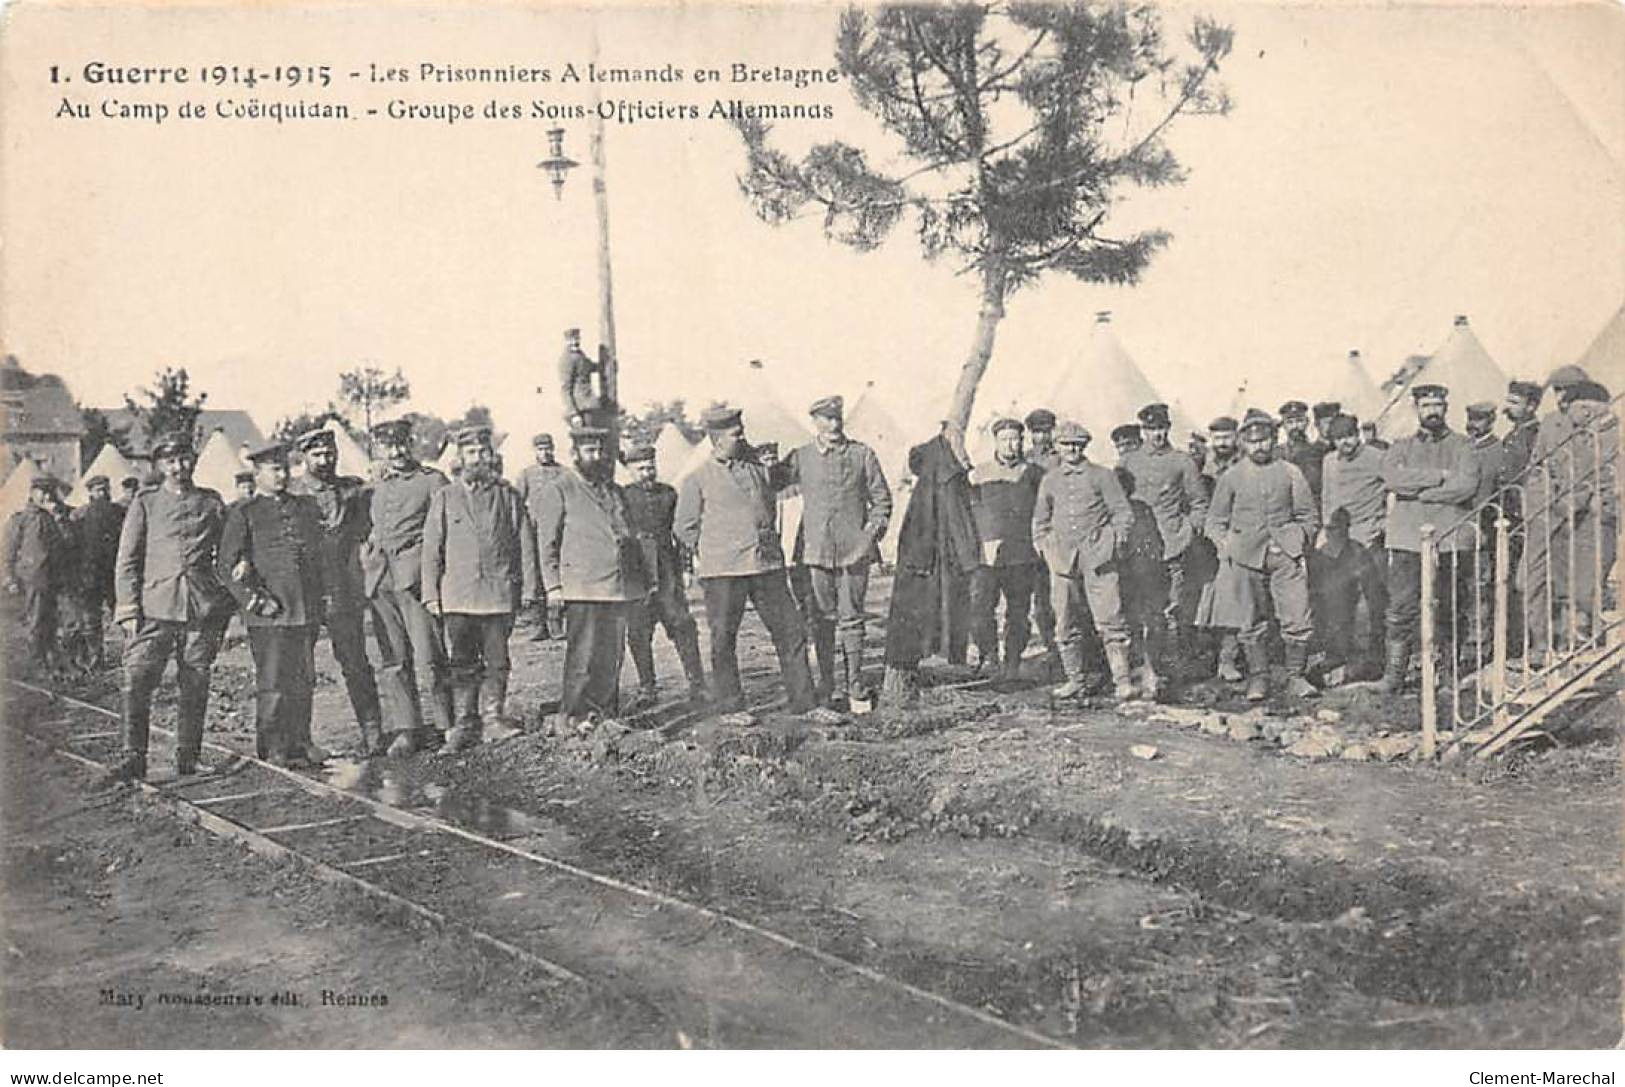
1604 360
110 463
1461 365
765 416
14 492
353 460
672 450
870 422
218 464
1105 388
1355 389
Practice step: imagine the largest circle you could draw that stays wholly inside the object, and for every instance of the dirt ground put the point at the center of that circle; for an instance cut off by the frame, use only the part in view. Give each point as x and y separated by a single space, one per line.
1023 858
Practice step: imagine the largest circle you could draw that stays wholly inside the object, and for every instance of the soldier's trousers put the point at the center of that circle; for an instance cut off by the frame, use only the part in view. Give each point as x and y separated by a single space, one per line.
347 634
80 624
838 619
1015 584
409 649
193 647
769 593
1285 581
1081 601
595 644
1452 584
668 606
284 681
1336 585
1553 587
1044 608
39 620
477 648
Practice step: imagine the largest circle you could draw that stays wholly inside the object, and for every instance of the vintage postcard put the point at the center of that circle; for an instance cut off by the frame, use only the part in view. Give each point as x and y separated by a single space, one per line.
973 525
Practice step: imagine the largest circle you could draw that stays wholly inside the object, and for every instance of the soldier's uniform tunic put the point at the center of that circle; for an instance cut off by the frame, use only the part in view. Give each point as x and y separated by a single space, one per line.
1043 606
1002 499
479 565
726 518
1360 565
532 481
1433 479
279 537
33 551
1263 522
653 507
345 524
1168 481
410 642
1080 516
165 580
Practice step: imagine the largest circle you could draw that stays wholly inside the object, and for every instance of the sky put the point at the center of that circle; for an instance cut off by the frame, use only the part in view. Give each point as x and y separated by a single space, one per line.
1384 169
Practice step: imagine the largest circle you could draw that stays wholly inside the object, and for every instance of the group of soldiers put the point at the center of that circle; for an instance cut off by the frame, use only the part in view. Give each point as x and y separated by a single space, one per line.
1171 565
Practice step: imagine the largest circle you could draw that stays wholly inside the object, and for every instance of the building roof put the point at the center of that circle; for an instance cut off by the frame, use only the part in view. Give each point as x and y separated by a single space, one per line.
239 427
33 404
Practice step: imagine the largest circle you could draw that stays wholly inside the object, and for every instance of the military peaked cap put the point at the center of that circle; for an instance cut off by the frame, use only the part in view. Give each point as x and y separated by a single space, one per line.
720 418
395 431
1481 410
44 483
315 438
1004 422
1528 390
472 435
272 452
1154 416
1040 419
1327 409
588 434
1292 409
639 453
1223 424
1342 426
167 445
1565 376
95 481
1070 433
1128 432
543 440
1257 420
1429 392
827 405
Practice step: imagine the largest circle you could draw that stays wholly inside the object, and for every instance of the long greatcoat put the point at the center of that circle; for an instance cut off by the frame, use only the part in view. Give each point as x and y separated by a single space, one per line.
937 546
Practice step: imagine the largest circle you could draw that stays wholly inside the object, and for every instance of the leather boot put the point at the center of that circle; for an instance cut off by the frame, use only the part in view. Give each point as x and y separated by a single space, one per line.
466 733
1230 659
688 651
1258 671
1071 655
372 738
1122 674
1297 684
852 652
1397 664
823 639
1150 682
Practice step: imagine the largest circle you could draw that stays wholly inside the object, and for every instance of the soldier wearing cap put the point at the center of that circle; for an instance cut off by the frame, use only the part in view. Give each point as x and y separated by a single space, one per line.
345 522
1126 439
1003 493
243 486
270 559
581 383
1354 553
845 506
1080 519
96 526
1571 514
479 567
727 519
1298 448
1168 482
170 603
1433 477
1040 423
1521 408
410 645
653 506
1223 436
129 486
549 618
34 546
1263 523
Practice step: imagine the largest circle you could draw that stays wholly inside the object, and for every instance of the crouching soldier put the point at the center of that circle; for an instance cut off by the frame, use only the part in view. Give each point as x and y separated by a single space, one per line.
479 567
1080 519
653 505
270 560
170 603
1263 523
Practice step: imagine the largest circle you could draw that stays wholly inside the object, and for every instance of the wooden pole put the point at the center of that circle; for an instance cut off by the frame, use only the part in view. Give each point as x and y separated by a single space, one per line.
606 289
1430 678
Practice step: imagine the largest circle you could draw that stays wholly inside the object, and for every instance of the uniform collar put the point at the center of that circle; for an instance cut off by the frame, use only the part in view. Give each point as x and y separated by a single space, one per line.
829 445
412 469
1426 435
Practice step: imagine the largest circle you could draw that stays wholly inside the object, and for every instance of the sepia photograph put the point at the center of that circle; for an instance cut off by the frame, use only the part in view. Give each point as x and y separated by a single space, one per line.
962 525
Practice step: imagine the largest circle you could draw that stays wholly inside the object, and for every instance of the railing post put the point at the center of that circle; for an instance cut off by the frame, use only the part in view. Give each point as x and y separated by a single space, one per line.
1503 579
1430 678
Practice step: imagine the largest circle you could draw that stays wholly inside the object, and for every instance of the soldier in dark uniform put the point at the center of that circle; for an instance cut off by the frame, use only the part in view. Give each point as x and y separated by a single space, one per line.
548 616
1521 409
590 560
727 519
244 486
270 559
96 525
1126 439
1041 451
33 550
479 568
1263 522
581 381
1298 450
170 603
343 501
654 507
1003 491
129 486
410 643
1478 572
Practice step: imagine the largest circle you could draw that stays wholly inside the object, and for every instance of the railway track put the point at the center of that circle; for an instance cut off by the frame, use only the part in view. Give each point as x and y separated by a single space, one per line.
507 880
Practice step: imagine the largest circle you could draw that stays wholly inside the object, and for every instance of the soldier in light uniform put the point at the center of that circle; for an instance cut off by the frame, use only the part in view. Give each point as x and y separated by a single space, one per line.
411 648
1478 574
653 505
1263 523
1167 480
270 559
1355 554
846 504
1003 491
479 568
592 562
1080 520
1432 477
1041 451
726 518
1224 452
549 617
345 522
170 603
34 547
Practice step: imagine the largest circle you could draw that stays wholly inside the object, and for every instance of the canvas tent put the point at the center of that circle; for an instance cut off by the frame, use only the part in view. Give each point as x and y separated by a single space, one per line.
1105 388
869 421
1604 360
1355 389
766 418
110 463
217 465
353 460
672 449
14 492
1461 365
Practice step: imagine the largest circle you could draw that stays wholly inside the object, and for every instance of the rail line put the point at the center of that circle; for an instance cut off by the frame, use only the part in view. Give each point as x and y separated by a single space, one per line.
399 839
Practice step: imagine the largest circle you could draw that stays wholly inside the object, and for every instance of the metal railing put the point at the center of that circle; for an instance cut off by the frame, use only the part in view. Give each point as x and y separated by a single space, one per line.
1527 617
